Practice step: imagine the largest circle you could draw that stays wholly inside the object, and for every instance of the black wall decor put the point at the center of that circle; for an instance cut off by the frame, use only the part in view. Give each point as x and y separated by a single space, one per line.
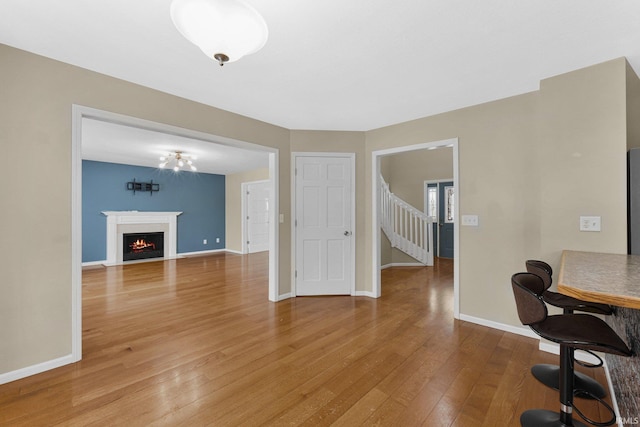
143 186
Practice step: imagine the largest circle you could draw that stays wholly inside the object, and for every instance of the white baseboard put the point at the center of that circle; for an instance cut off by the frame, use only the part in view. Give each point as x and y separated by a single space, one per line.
365 294
234 251
612 395
402 264
36 369
92 263
212 251
180 255
284 297
527 332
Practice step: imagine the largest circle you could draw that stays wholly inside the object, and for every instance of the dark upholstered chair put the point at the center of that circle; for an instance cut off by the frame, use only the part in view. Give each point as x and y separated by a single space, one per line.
548 374
571 331
567 303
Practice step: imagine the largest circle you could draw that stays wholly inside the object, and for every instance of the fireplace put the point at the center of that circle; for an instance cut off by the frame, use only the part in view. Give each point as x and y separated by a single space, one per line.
120 223
142 246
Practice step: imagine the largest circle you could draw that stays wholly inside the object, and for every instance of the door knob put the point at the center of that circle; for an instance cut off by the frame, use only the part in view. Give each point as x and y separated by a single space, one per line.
347 233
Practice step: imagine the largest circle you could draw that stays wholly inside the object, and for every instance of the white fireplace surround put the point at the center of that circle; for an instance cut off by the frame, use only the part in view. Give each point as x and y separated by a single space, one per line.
123 222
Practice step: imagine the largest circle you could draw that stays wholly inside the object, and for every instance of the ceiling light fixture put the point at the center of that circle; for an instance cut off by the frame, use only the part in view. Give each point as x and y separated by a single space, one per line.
225 30
179 160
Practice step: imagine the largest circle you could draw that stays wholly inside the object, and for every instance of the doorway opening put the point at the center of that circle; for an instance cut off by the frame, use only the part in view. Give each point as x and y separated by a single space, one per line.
377 157
79 114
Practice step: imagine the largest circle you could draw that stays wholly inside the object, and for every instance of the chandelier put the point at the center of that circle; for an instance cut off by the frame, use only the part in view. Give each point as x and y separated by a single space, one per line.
178 159
225 30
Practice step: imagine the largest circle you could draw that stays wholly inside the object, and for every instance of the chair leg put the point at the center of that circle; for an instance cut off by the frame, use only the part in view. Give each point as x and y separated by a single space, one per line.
544 418
549 375
566 385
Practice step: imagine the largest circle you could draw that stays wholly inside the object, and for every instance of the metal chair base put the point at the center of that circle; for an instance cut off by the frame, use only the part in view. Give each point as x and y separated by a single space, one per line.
549 375
544 418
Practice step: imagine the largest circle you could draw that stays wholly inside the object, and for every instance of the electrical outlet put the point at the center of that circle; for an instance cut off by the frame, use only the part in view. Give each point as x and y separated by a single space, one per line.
217 240
589 223
204 242
470 220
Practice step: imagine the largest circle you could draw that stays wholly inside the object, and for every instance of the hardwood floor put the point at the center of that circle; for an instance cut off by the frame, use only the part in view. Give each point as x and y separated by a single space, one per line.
194 341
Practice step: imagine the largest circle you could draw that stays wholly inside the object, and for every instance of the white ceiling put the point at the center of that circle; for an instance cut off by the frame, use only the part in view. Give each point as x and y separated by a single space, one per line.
115 143
338 64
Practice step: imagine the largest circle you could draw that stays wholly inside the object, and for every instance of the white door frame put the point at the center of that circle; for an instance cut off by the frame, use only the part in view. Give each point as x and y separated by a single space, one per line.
245 225
375 206
294 157
79 112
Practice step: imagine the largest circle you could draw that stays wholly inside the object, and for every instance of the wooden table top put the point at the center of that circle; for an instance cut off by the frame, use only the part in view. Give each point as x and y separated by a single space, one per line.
606 278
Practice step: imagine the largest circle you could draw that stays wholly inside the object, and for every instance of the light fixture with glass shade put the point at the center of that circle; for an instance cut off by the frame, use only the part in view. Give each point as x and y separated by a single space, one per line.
225 30
178 159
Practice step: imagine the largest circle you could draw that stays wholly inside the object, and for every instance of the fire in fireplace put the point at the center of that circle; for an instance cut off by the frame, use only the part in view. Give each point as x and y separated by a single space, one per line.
142 246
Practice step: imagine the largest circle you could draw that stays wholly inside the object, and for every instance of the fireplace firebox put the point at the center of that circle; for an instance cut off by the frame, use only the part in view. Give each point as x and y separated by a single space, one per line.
142 246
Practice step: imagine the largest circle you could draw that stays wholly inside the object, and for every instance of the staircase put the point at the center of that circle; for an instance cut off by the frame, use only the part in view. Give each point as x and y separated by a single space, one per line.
407 228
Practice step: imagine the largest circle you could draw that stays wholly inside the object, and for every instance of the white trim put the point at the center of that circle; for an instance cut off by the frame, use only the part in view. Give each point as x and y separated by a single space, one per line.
612 394
76 233
36 369
243 213
233 251
544 345
352 156
207 252
93 263
401 264
366 294
274 229
283 297
78 112
180 255
375 224
518 330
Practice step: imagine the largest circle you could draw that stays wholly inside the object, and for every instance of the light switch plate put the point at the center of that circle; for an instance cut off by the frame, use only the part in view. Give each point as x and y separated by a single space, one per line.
589 223
470 220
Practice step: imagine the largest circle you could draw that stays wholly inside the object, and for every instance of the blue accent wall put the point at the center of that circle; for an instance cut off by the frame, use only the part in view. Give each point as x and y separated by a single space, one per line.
199 196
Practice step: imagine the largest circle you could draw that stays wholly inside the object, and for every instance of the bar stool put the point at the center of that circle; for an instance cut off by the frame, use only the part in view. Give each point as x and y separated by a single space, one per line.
548 374
571 331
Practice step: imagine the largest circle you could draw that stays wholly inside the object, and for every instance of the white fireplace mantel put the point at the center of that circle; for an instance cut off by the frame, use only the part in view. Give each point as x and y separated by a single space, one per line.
121 222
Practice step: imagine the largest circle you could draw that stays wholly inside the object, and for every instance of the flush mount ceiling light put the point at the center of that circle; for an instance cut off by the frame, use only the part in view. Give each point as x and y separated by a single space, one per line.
225 30
178 159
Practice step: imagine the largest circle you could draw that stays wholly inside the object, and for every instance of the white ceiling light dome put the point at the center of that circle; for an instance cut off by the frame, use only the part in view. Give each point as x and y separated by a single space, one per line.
225 30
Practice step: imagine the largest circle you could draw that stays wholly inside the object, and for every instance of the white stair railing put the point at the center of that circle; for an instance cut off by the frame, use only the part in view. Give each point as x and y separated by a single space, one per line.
406 227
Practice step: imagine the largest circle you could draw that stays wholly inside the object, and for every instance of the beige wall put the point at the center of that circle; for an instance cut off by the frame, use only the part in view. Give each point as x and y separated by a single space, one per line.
582 160
529 166
519 173
409 170
35 118
233 205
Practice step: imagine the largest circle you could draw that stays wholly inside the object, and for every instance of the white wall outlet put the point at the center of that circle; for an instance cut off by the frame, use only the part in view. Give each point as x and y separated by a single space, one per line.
470 220
589 223
281 218
217 240
204 241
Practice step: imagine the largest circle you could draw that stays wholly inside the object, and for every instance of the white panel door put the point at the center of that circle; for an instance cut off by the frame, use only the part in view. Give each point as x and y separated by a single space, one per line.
323 225
257 216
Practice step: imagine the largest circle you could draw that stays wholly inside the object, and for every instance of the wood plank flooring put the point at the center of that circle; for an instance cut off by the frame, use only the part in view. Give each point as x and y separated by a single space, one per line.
195 342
